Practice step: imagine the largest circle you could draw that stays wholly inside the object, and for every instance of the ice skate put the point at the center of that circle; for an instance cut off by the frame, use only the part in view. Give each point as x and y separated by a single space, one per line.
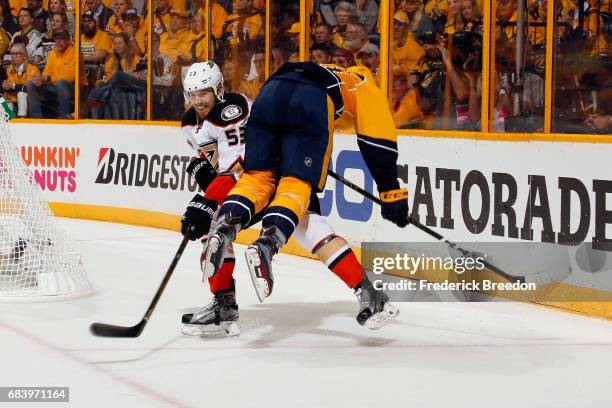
217 318
259 260
375 310
218 243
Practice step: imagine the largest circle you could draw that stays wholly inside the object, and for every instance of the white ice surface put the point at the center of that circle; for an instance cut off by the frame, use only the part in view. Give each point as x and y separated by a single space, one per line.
302 348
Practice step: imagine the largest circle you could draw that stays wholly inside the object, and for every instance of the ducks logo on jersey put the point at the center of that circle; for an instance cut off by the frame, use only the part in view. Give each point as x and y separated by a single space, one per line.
231 112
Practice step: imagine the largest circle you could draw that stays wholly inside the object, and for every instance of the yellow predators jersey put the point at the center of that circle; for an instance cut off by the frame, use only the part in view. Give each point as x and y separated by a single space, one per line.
366 108
356 99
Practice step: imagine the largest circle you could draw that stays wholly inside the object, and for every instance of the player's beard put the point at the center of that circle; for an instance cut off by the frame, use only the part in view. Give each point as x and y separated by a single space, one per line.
203 109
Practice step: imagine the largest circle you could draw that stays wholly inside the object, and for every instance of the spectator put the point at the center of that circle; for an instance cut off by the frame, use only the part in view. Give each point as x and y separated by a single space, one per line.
506 13
122 76
452 16
356 37
242 30
323 36
167 102
218 15
57 80
161 22
59 6
95 43
279 58
443 88
320 54
294 37
507 17
58 22
436 7
244 24
343 58
100 12
345 13
7 21
403 104
406 52
176 43
252 86
39 13
116 23
231 76
470 17
18 75
29 36
369 56
367 14
136 30
418 22
199 45
599 122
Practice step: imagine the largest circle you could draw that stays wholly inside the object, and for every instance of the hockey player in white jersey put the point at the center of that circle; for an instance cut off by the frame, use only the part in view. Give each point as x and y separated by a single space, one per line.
214 126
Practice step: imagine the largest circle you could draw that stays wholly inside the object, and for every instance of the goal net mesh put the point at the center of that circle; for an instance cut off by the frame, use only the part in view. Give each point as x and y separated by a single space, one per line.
36 258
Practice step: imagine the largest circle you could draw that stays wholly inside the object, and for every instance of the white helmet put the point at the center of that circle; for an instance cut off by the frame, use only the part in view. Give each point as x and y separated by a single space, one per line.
202 75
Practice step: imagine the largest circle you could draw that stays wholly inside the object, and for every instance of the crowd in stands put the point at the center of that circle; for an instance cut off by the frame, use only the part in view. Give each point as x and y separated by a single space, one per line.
435 56
39 59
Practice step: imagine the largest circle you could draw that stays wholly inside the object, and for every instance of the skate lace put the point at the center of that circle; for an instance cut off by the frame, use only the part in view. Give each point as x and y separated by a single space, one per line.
211 306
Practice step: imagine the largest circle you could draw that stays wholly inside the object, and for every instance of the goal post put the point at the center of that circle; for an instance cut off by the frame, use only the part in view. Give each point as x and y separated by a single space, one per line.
37 260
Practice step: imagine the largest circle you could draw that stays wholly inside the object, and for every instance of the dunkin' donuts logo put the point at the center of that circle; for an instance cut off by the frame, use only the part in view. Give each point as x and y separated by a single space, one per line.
53 167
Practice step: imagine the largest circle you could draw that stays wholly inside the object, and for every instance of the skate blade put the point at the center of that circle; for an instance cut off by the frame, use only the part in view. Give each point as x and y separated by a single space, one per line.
208 269
383 317
260 284
225 329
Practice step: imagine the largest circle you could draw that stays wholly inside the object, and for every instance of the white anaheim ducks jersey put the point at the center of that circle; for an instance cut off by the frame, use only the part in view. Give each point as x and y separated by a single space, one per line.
220 137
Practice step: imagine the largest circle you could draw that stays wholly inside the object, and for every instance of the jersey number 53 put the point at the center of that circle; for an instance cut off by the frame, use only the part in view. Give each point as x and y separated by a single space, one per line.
235 135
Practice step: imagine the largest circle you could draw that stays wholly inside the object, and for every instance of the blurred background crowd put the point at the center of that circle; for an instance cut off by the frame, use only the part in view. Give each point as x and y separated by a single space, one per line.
434 67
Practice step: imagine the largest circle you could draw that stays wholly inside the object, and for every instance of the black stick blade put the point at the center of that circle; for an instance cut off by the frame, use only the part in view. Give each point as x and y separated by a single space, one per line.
109 330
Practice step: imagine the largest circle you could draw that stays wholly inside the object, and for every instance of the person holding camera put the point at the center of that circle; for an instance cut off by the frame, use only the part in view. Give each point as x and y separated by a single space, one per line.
443 86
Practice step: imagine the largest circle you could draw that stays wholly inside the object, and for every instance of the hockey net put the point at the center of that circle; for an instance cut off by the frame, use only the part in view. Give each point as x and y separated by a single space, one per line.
36 259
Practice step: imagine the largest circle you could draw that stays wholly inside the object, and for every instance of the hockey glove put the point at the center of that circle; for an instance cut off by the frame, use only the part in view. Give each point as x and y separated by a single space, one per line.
197 218
395 206
202 171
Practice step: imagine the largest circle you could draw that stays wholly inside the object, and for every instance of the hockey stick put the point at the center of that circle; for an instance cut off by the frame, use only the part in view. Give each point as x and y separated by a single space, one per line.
109 330
429 231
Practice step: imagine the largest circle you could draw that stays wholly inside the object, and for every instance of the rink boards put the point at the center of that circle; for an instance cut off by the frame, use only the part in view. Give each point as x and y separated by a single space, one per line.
467 189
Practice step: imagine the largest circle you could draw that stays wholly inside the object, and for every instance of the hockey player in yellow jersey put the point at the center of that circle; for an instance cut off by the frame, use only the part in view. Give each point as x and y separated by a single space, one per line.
289 138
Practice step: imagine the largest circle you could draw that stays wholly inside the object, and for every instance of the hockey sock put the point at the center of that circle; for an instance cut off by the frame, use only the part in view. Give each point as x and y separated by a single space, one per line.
345 265
250 195
288 206
223 279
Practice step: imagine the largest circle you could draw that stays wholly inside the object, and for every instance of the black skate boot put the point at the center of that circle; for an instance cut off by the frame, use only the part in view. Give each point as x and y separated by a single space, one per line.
259 260
375 310
218 242
219 316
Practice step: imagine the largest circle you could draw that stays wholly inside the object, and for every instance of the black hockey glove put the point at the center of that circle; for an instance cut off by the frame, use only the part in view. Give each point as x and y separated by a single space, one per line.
202 171
197 218
395 206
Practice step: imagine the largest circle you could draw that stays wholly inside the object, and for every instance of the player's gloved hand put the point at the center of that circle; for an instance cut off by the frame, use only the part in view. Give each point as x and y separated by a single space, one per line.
202 171
395 206
196 220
